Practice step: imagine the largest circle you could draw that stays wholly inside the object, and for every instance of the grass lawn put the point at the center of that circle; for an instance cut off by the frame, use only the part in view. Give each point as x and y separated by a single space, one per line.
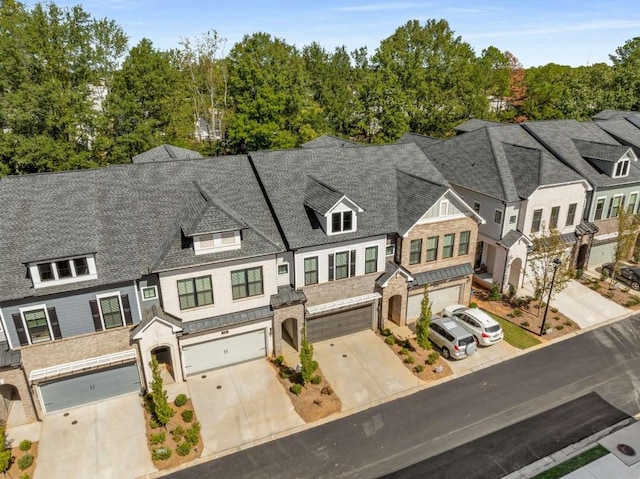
514 335
574 463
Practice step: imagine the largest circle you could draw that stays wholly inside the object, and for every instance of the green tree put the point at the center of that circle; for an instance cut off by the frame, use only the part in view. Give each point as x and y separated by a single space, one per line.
422 325
307 364
627 54
5 449
628 224
161 409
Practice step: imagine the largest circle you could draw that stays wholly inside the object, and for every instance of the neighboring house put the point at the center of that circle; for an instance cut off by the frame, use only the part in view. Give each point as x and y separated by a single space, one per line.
623 127
519 188
367 228
611 168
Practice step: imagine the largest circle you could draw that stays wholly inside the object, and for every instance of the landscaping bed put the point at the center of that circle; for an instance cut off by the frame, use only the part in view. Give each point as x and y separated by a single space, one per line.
620 293
426 364
314 400
180 437
20 455
523 312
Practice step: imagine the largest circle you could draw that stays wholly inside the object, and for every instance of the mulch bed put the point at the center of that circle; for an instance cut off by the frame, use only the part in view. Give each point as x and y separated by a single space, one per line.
621 293
409 348
14 471
315 401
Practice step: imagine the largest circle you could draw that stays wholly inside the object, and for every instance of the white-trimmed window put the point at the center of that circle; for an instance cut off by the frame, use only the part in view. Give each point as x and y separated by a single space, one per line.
149 292
622 168
615 204
599 208
571 214
476 207
371 259
246 282
553 219
111 311
63 271
342 221
311 270
513 219
36 324
213 242
444 208
536 221
283 268
633 202
194 292
497 217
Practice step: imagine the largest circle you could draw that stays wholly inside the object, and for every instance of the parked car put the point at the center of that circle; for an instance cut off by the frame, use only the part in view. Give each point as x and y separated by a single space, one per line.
626 273
454 341
485 329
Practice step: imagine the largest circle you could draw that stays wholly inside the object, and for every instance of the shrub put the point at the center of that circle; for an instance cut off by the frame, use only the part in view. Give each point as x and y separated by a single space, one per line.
192 436
317 379
158 438
296 389
286 372
419 368
432 358
512 291
327 391
314 366
567 322
161 409
161 454
553 309
153 424
187 415
25 476
177 433
391 340
279 360
25 445
183 449
25 461
181 400
517 313
604 274
409 360
473 305
403 351
386 332
610 294
579 273
559 327
525 323
495 294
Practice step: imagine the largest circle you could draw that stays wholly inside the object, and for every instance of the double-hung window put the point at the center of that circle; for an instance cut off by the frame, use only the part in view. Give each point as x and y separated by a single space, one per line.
342 265
246 282
463 247
311 271
447 245
432 248
553 220
599 209
614 206
571 214
537 219
415 251
111 311
371 259
633 199
37 325
194 292
341 221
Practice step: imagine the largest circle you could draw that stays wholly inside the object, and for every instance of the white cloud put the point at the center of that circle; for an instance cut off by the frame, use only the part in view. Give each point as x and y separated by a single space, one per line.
550 30
377 7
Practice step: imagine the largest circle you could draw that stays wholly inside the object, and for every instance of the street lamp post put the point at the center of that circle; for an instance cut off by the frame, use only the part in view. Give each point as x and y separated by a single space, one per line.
556 265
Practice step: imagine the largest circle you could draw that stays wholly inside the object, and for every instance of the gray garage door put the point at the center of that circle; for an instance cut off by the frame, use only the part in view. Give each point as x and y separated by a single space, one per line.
88 388
333 325
223 352
602 253
439 299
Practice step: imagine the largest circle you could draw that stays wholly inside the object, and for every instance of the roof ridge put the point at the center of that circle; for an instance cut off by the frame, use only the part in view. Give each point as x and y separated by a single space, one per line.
412 175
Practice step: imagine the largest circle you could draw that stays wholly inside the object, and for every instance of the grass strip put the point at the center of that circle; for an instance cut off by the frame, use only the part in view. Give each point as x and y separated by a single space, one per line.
574 463
515 335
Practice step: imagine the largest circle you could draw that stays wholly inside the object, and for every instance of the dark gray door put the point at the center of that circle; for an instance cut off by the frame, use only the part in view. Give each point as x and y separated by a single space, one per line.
333 325
88 388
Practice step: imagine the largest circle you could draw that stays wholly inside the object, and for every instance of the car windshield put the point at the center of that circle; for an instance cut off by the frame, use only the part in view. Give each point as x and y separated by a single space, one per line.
465 341
493 329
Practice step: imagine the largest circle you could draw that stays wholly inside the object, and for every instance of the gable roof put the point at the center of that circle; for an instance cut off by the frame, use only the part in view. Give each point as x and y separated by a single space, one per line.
559 136
328 141
423 141
600 151
415 196
165 153
625 131
500 161
474 124
130 216
366 175
320 197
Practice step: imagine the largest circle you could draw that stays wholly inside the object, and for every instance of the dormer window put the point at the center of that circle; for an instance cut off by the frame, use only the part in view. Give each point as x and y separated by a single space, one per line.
63 271
342 222
622 168
216 242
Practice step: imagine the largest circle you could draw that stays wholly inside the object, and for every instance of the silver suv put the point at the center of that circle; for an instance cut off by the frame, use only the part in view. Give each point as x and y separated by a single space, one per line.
454 341
484 328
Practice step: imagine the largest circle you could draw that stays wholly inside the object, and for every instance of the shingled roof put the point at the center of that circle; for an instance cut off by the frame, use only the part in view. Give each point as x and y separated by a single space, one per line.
366 175
165 153
423 141
559 137
328 141
129 216
500 161
474 124
625 131
613 114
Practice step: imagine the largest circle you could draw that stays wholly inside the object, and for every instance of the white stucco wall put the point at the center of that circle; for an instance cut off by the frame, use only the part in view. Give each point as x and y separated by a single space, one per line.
546 198
221 282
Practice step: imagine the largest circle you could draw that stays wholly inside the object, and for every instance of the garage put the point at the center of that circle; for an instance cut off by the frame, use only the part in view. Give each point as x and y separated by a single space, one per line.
91 387
602 253
340 323
223 352
440 298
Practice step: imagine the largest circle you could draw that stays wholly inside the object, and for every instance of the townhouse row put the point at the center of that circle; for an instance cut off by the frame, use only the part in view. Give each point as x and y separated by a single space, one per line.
207 262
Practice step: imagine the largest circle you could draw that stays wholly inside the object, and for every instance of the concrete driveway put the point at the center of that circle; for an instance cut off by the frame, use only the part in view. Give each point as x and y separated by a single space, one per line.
107 440
483 358
240 404
362 369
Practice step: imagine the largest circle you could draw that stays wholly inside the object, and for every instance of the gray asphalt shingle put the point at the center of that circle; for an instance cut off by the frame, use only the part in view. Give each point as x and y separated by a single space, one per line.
328 141
165 153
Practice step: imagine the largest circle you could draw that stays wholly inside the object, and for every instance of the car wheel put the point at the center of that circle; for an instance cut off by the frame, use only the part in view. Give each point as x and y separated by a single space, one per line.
635 285
445 353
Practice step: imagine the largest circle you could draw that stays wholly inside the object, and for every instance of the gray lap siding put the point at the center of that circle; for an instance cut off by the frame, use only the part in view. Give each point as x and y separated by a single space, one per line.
72 310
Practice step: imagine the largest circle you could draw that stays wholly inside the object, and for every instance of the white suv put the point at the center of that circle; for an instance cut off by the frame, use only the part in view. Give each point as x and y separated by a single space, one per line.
485 329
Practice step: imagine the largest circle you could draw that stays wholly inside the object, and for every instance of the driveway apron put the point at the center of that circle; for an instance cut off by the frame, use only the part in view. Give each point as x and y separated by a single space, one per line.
240 404
107 440
362 369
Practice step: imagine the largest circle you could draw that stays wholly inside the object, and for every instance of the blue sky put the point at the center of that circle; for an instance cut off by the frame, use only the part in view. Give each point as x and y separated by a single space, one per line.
537 32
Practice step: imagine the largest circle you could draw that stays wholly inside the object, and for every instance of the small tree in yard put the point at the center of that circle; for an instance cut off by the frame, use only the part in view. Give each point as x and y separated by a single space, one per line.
422 326
307 364
161 409
627 235
5 449
548 246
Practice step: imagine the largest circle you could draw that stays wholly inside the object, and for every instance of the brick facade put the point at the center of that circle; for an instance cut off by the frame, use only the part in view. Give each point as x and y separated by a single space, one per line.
15 377
396 287
280 315
340 289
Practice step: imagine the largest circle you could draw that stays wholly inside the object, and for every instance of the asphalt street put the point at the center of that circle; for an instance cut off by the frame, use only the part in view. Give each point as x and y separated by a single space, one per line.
393 436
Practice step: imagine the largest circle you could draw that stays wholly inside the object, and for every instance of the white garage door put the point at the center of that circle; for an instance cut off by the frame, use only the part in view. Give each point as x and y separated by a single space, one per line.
223 352
602 253
439 298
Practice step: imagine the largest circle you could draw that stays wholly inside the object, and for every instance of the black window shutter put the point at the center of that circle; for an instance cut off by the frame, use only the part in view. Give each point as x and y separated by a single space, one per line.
22 334
353 263
330 267
96 315
127 309
55 326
